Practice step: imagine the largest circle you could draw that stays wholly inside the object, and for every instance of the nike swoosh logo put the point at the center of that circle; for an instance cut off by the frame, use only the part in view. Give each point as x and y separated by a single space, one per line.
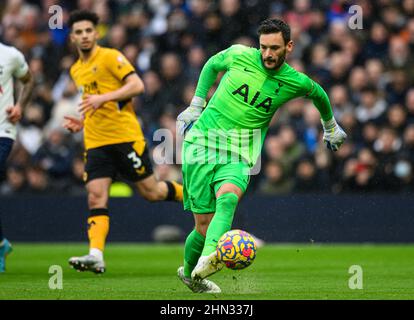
247 70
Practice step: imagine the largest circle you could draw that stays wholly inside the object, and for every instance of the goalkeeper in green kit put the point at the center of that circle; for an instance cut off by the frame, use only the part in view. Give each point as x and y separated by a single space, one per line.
223 139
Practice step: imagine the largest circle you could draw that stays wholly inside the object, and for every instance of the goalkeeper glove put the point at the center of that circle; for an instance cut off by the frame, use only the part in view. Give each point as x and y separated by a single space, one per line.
333 135
186 119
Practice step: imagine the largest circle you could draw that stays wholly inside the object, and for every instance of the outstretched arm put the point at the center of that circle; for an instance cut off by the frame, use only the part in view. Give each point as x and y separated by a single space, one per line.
334 136
320 100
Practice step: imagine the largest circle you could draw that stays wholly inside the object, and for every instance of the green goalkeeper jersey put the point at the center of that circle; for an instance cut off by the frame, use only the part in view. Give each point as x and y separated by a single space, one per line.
237 117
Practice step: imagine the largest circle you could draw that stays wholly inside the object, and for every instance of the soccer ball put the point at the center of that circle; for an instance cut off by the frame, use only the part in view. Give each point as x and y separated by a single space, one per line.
236 249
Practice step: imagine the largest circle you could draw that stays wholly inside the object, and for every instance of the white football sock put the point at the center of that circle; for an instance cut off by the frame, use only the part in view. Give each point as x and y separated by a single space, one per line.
96 253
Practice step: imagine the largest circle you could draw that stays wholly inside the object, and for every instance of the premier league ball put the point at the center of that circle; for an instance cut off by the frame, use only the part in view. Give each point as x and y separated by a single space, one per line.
236 249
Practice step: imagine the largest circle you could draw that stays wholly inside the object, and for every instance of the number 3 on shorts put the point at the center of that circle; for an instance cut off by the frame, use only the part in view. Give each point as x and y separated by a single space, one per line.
135 159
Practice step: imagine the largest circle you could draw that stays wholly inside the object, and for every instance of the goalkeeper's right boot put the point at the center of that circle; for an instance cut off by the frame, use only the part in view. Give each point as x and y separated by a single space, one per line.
87 263
5 249
203 286
206 266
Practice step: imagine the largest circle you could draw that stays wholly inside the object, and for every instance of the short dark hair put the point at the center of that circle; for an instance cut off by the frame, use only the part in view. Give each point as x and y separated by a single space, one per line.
80 15
275 26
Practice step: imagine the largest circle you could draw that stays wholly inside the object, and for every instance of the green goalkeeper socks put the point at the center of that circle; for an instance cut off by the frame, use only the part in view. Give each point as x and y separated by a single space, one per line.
196 245
192 251
223 218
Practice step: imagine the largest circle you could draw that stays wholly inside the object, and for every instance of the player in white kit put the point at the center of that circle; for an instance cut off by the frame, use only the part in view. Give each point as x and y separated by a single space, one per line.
12 66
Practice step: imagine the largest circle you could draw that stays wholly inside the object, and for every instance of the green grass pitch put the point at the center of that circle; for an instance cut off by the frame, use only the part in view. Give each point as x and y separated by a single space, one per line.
148 271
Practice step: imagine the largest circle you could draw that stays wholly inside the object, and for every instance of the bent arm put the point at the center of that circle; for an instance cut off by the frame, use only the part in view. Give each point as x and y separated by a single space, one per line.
217 63
207 78
133 86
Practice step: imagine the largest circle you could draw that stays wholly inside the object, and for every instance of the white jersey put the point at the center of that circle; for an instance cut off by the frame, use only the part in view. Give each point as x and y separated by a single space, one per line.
12 65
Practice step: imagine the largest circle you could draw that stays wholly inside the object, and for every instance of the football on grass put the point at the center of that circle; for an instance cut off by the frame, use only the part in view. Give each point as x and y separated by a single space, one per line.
236 249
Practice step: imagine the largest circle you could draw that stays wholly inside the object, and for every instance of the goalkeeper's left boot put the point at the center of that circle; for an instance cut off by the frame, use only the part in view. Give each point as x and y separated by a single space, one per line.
206 266
5 249
203 286
87 263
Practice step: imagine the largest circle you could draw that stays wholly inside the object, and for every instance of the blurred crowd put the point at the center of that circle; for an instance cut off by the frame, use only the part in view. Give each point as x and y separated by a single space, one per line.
368 74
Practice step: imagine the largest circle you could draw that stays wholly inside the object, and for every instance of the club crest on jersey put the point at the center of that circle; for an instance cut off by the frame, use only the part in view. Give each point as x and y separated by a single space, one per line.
277 90
90 88
243 91
121 62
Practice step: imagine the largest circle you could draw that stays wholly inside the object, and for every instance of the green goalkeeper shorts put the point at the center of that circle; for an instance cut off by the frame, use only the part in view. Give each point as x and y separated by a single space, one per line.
201 180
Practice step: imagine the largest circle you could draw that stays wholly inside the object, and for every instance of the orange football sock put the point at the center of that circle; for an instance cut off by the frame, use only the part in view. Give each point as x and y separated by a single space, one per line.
178 191
98 228
174 191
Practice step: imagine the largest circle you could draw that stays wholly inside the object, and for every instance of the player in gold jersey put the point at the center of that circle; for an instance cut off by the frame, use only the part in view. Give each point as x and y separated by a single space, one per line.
113 138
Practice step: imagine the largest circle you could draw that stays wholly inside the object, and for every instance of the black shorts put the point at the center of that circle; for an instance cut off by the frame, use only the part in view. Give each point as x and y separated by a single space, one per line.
123 159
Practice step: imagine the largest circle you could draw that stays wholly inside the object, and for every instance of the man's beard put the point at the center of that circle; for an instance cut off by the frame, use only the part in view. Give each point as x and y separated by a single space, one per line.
281 59
86 50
